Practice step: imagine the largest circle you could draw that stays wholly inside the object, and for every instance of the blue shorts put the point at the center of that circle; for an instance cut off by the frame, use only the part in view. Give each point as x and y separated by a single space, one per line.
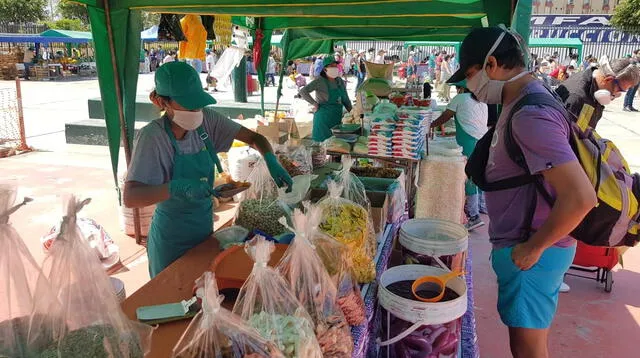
528 299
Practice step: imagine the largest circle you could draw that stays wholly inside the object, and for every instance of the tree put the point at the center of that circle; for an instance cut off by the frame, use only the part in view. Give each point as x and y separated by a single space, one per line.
72 10
22 10
67 24
626 16
149 19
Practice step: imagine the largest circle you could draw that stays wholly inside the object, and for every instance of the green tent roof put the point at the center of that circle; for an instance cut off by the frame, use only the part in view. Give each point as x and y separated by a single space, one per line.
570 42
68 34
312 26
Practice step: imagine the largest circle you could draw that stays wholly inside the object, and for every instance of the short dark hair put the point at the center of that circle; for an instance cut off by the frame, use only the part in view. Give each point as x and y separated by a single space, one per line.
512 55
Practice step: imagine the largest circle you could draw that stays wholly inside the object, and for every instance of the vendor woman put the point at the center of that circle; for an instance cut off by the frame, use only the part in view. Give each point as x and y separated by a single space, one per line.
331 96
173 164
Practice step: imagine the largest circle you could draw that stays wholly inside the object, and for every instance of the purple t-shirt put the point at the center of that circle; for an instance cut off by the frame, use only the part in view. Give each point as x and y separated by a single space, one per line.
543 135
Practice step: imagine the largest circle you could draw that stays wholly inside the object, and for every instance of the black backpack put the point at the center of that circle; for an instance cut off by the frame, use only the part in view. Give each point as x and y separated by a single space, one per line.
614 221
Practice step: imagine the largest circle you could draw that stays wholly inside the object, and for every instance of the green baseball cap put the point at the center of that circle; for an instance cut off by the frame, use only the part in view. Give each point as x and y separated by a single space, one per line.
329 60
180 82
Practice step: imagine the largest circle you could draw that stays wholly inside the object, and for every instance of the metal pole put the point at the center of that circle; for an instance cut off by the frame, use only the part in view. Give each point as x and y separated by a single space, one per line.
23 136
123 125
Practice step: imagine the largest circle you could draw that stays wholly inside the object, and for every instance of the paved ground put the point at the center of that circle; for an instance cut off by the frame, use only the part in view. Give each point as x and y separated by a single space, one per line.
590 322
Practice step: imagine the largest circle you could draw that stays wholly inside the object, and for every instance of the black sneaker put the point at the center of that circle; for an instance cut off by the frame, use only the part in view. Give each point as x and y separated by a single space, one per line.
474 223
633 109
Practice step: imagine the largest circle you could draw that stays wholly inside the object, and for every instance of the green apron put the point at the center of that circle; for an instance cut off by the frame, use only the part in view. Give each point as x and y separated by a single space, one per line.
468 144
179 225
328 115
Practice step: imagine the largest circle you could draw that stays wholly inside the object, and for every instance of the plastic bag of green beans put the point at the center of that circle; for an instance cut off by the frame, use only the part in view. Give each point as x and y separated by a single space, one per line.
267 303
216 332
88 320
260 208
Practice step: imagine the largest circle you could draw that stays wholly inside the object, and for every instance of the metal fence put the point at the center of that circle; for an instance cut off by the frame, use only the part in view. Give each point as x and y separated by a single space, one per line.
22 28
12 136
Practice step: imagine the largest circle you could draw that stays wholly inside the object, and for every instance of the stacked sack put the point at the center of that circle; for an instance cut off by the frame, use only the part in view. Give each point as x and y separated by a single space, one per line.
399 135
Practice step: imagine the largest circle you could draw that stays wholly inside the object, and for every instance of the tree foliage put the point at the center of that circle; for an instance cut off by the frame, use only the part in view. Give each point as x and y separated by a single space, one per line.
149 19
67 24
72 10
626 16
22 10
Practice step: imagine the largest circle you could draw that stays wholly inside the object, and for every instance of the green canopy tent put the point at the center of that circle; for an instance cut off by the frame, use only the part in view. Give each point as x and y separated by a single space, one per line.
68 34
573 43
313 26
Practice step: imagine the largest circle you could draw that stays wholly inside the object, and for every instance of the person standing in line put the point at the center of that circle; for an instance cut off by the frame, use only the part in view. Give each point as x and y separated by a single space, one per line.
529 257
380 57
631 92
470 117
362 68
445 74
27 61
271 70
598 86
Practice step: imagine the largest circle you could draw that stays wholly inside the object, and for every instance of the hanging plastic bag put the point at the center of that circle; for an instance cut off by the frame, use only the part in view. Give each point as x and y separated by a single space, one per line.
169 28
260 209
89 321
216 332
18 275
267 303
295 159
310 282
350 224
299 190
352 187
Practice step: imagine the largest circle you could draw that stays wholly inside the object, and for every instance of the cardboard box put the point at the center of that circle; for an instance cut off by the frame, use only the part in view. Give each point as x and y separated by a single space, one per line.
379 209
272 133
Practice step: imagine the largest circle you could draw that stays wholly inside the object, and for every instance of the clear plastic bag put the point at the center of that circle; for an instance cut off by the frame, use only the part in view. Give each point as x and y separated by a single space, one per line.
267 303
350 224
260 209
310 282
440 193
295 159
88 322
215 332
19 273
352 187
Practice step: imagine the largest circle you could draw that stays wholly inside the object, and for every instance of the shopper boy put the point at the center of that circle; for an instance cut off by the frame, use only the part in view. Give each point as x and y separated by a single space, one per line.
529 264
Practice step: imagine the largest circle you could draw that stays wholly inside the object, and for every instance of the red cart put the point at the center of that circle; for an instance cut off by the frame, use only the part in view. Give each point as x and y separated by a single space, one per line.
598 260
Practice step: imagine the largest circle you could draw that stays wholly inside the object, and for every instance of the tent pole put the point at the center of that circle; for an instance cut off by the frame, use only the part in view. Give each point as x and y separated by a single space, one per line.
123 125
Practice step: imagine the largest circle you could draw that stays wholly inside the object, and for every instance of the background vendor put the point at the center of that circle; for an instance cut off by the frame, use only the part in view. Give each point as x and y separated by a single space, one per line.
174 160
331 96
471 124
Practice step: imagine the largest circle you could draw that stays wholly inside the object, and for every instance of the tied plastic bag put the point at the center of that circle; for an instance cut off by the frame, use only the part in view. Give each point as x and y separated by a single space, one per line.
267 303
350 224
216 332
296 160
352 187
18 275
260 209
310 282
88 322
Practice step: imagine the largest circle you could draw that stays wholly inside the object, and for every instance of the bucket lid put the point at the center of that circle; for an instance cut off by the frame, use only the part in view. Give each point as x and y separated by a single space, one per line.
433 237
417 311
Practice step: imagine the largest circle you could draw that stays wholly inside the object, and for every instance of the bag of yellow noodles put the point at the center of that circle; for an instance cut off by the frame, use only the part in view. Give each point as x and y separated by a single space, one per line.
350 224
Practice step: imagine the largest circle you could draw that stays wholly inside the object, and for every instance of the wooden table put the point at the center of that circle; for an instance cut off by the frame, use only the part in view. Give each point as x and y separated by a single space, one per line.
175 284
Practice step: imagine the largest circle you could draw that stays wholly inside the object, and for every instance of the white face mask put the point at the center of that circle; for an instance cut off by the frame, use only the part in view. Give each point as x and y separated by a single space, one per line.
188 120
485 89
603 96
332 72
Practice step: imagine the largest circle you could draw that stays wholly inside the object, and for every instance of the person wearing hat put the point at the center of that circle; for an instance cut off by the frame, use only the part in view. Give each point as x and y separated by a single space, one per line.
331 97
380 57
174 160
531 253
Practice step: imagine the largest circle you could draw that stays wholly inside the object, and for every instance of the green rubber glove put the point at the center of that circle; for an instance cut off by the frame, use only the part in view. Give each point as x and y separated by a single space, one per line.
190 189
278 173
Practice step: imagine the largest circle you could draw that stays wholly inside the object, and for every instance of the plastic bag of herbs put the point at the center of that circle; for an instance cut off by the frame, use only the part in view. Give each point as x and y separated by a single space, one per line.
215 332
351 225
19 274
296 160
88 322
310 282
260 209
267 303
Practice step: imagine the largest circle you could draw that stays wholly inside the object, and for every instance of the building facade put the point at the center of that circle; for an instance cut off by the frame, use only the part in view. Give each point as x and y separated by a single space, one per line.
577 7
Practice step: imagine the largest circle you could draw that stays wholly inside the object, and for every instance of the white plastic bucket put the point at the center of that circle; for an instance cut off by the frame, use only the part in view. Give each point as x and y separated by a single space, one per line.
126 219
436 325
434 242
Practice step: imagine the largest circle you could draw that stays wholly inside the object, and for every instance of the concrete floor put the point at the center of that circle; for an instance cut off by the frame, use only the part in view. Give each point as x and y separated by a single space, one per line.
590 323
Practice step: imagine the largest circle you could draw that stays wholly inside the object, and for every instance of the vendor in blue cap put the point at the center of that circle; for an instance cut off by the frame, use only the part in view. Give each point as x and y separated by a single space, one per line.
173 164
331 97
